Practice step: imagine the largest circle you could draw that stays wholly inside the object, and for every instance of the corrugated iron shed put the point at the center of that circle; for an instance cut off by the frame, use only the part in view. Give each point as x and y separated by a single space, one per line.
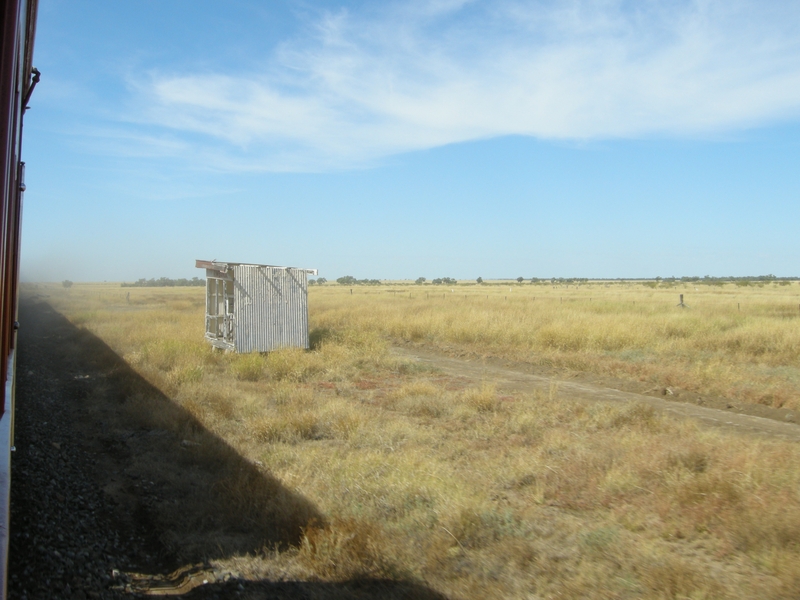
256 308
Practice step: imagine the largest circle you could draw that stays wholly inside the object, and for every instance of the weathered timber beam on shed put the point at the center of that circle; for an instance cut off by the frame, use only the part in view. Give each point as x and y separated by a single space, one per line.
224 266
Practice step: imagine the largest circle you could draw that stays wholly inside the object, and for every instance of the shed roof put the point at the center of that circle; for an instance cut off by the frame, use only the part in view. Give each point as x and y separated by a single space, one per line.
224 266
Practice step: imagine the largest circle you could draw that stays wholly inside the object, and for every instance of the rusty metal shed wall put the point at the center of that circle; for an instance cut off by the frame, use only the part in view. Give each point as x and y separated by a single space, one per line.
271 308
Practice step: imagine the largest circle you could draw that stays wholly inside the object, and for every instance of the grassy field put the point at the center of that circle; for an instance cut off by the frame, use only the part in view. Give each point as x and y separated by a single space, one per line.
741 343
475 493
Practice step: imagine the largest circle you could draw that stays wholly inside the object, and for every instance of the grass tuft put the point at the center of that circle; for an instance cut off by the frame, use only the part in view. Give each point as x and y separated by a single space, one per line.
249 367
346 549
483 399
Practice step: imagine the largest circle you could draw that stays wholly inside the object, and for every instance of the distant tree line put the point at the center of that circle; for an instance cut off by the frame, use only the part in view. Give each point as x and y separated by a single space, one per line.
654 282
563 281
167 282
350 280
705 279
740 281
437 281
708 280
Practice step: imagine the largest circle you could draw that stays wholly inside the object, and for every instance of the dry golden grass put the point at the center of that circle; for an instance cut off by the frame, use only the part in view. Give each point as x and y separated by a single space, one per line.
475 494
734 342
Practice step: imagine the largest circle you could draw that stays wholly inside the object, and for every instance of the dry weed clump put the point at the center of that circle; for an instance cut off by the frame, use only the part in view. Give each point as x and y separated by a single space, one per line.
675 577
483 399
289 428
347 549
468 492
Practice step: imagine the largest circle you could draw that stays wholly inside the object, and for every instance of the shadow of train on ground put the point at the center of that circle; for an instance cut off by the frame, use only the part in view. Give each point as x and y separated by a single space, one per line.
112 477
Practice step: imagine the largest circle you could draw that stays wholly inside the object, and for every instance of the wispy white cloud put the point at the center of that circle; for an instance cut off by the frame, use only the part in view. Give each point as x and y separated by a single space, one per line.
115 142
422 74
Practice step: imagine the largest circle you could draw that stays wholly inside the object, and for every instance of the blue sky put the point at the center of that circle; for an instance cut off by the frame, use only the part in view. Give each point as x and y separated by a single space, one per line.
422 138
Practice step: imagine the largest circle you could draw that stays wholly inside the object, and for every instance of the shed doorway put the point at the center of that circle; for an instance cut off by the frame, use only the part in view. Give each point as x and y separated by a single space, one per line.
219 311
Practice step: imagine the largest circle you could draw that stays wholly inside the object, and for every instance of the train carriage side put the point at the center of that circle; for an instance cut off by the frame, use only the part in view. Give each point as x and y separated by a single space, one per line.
17 78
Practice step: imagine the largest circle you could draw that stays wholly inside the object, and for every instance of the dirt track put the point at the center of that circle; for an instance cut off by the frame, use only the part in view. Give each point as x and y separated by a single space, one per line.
770 422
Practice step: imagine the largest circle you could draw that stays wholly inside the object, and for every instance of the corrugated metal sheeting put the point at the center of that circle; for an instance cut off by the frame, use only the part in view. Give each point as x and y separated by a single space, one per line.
271 308
266 309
